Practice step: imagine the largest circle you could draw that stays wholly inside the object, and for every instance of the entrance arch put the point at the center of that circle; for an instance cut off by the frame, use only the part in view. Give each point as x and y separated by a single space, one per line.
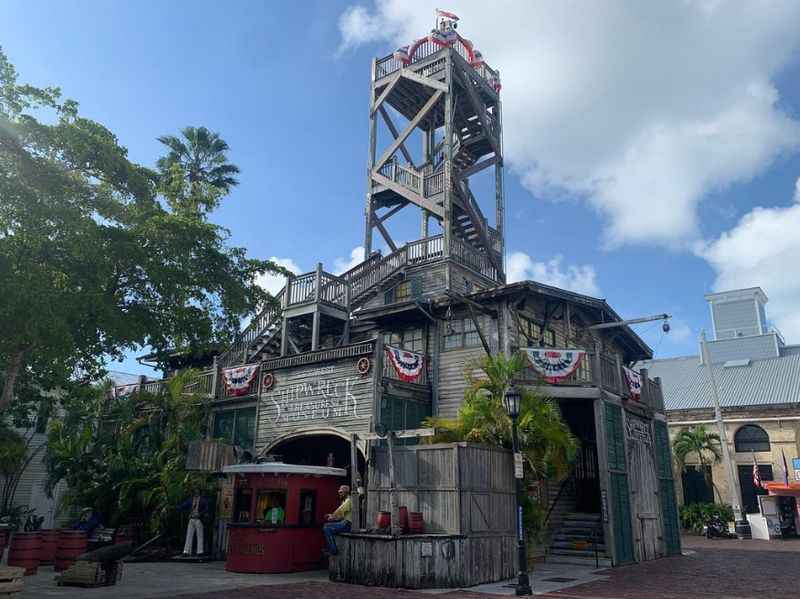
312 447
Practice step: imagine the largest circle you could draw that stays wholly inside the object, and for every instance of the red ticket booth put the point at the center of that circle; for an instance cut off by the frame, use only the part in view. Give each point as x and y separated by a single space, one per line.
278 513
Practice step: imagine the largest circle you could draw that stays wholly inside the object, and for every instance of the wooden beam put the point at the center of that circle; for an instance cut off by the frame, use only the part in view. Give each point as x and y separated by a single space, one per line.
411 196
408 130
390 213
474 320
386 91
385 234
433 83
355 502
478 167
404 434
393 130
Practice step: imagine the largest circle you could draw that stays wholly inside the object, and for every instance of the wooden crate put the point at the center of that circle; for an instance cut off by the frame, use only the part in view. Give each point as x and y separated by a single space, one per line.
12 580
91 574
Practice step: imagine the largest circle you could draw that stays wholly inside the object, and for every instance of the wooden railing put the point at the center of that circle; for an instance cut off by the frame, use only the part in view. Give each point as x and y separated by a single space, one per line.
433 184
473 258
603 370
202 385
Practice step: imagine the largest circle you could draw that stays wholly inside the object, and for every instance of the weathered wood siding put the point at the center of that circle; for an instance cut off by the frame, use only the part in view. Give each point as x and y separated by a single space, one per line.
459 488
455 364
423 561
319 395
645 508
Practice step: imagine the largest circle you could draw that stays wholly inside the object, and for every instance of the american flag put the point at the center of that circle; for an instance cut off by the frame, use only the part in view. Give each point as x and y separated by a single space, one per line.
756 475
446 14
785 469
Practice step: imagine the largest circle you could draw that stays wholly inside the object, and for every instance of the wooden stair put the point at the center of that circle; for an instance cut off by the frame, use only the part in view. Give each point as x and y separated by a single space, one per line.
577 539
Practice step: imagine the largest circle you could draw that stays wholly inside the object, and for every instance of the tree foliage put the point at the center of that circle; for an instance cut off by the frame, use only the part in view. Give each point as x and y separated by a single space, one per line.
704 445
126 457
98 254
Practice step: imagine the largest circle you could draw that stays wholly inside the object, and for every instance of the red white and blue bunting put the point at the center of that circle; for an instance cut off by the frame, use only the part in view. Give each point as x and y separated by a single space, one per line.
408 365
554 364
634 381
238 380
126 390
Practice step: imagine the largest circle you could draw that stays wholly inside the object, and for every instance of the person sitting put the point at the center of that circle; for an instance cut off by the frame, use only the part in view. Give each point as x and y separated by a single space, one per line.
339 521
87 521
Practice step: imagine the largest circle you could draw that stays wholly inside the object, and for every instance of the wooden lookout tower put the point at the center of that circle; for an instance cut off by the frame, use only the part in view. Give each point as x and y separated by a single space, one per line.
441 88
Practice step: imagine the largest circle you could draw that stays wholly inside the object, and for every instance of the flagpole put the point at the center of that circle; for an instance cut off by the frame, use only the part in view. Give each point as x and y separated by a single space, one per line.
736 494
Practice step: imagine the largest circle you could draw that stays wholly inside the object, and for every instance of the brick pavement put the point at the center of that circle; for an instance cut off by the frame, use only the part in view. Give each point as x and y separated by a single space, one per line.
719 569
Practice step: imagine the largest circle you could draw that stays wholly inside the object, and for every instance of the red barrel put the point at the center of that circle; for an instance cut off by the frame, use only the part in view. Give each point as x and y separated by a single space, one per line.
49 545
384 520
416 523
403 514
25 550
71 543
124 534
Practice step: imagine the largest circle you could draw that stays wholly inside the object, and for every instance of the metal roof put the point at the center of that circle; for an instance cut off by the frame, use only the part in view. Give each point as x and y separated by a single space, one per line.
685 384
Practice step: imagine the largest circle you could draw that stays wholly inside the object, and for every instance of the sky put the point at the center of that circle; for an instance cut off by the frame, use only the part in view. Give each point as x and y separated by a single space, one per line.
652 149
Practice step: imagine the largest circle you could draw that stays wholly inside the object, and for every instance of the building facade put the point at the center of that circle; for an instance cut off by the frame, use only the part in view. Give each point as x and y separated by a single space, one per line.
758 380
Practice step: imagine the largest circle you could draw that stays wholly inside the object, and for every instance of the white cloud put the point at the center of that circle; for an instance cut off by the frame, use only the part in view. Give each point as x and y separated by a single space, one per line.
763 250
581 279
341 265
274 283
639 108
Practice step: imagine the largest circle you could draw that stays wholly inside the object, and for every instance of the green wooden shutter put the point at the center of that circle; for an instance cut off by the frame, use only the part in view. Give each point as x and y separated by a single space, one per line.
618 482
666 490
623 534
388 296
416 287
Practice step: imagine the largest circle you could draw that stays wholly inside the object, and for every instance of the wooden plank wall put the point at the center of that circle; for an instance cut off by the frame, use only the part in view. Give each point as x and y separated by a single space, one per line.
323 395
458 487
417 562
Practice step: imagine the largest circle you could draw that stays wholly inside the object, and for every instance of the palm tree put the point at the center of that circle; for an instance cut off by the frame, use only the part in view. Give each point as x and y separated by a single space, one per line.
706 446
200 160
546 443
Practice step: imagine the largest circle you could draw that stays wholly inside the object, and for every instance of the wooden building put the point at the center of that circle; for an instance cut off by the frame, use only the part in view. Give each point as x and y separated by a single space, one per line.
389 341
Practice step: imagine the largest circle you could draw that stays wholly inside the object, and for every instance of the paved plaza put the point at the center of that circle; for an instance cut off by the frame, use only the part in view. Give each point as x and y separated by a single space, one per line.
728 569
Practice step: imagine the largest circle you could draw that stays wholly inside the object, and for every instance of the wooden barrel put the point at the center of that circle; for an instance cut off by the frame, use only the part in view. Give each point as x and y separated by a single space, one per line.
25 550
11 581
71 543
47 557
416 524
384 520
403 517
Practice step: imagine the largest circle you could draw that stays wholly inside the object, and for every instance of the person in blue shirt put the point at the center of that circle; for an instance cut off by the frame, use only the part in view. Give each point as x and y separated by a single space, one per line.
87 521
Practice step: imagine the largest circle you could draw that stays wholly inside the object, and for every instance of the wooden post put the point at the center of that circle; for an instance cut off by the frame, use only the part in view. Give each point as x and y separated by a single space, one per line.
392 490
620 386
448 164
214 379
316 315
370 161
346 333
597 366
355 498
645 390
500 208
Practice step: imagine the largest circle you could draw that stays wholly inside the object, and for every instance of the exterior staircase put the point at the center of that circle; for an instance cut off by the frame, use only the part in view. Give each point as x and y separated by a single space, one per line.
576 540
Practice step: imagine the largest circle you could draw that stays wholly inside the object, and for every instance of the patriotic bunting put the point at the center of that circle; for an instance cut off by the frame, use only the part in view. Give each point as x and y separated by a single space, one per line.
446 14
554 364
126 390
408 365
402 55
756 474
634 381
238 380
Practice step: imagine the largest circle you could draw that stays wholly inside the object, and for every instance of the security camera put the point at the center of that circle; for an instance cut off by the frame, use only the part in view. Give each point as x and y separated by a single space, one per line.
665 327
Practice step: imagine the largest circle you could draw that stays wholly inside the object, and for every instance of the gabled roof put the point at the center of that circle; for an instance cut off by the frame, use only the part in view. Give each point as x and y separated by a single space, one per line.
637 345
772 381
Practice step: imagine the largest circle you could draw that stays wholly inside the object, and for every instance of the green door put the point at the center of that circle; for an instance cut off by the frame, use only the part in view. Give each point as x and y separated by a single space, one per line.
666 490
618 485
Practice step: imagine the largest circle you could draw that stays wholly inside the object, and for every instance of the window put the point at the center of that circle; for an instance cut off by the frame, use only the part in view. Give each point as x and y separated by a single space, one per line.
308 508
271 507
751 438
531 332
461 333
241 505
237 427
405 291
409 339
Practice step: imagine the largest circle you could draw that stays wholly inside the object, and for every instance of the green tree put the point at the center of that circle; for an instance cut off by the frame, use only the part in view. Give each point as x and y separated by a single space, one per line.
126 457
202 165
100 255
546 443
704 445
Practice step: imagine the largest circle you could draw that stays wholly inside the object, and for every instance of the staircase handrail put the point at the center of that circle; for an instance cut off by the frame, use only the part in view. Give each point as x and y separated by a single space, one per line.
564 483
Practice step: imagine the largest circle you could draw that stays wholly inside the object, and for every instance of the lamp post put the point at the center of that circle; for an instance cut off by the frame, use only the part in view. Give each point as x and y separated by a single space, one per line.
511 402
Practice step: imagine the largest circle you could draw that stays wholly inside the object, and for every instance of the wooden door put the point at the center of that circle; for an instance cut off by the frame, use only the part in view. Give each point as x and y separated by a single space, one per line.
666 484
644 487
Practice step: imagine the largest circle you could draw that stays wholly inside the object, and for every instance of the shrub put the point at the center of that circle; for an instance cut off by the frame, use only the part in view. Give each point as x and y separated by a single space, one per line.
694 516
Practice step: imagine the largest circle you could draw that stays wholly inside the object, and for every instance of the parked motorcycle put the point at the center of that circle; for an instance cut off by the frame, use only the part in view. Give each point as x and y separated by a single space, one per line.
716 528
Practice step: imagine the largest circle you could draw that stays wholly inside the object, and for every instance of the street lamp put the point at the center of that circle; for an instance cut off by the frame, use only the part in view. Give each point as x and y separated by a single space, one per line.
511 402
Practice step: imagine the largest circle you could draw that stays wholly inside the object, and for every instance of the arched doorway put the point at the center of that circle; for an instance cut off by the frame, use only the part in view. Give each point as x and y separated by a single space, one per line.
317 448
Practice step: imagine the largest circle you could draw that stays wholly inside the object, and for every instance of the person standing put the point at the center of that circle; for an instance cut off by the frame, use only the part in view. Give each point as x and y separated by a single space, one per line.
339 521
197 506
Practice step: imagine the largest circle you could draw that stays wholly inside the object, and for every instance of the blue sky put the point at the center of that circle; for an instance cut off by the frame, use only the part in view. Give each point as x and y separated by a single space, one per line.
278 82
